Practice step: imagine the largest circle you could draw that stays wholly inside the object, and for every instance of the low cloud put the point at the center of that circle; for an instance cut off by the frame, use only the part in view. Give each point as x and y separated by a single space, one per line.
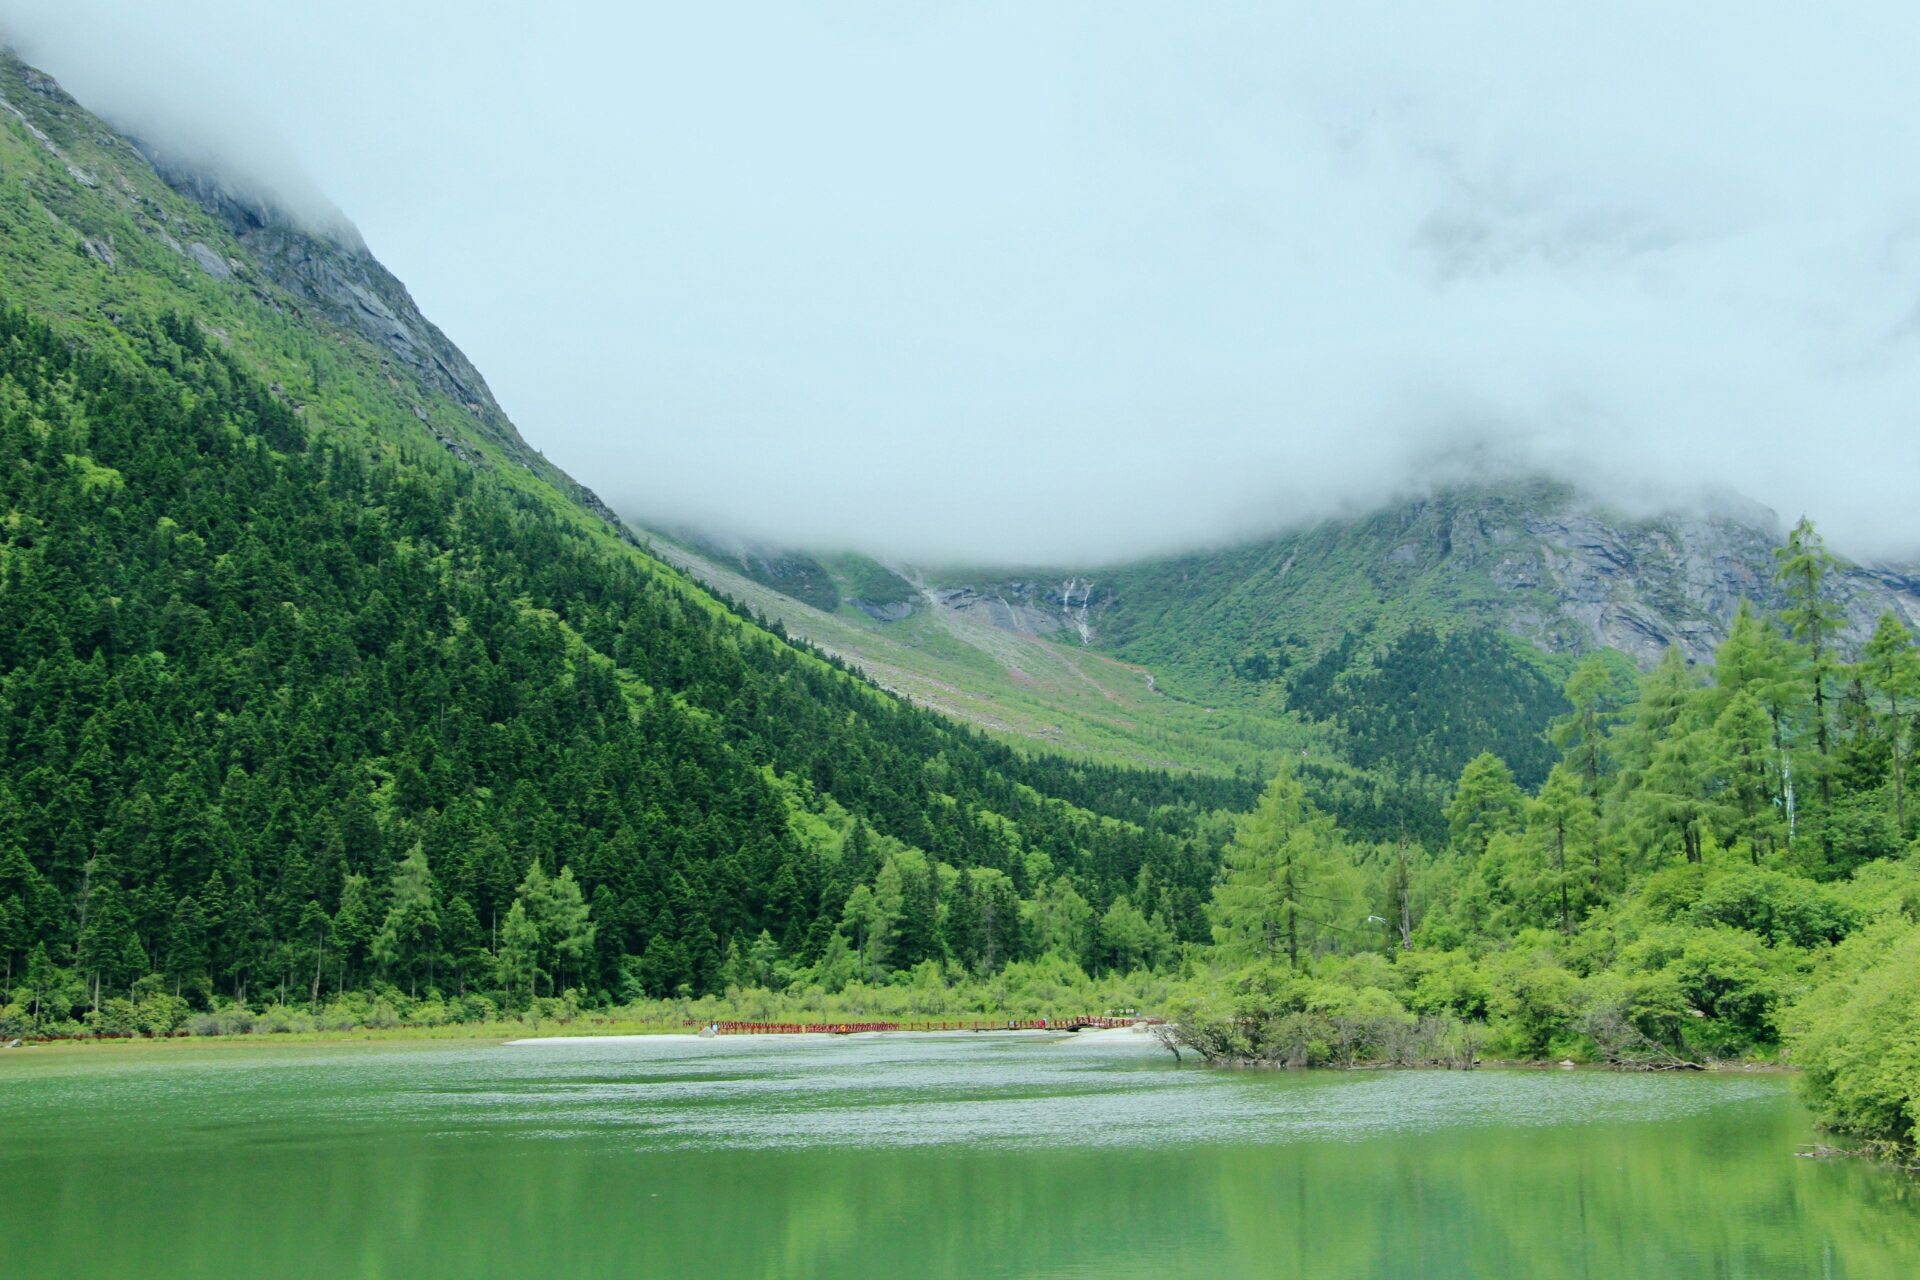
1089 281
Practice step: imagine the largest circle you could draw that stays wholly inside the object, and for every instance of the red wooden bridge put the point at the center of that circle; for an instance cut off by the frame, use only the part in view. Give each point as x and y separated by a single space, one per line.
1076 1022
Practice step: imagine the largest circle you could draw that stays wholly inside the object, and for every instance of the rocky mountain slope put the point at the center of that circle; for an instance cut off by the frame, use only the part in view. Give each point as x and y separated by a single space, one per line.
1536 560
1405 640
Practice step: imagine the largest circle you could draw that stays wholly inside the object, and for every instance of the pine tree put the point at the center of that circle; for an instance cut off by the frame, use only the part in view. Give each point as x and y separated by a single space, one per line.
353 926
1891 665
410 933
465 943
107 941
1676 796
1485 801
1743 748
1278 891
1561 826
1757 660
1804 566
518 956
916 933
568 929
187 946
1582 733
312 930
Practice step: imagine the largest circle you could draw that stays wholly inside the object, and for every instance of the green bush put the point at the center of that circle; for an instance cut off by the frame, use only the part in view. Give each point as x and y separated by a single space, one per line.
1858 1037
1785 910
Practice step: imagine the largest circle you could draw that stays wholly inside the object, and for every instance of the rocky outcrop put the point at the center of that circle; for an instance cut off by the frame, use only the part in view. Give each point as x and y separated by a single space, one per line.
885 611
1032 607
329 272
1642 586
1534 558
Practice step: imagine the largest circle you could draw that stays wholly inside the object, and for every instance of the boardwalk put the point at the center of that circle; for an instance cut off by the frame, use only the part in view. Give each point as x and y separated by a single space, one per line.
1074 1023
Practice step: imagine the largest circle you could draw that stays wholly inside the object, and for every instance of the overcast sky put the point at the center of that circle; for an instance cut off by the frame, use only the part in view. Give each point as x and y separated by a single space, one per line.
1078 281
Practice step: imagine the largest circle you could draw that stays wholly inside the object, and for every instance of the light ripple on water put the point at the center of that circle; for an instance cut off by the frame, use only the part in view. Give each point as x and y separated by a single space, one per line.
864 1091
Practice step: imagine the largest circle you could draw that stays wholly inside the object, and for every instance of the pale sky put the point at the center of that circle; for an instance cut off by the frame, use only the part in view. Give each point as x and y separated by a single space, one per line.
1080 281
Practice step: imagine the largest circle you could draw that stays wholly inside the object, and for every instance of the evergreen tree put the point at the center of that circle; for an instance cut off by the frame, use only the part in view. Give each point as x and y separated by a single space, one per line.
408 938
1804 566
865 918
465 943
1485 802
1279 892
519 952
916 934
1582 733
187 948
1743 746
567 927
107 950
353 927
1561 828
313 929
1891 666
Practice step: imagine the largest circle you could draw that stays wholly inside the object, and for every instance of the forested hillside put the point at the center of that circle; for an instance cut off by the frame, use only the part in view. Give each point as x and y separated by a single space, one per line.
1416 633
1718 865
321 691
313 680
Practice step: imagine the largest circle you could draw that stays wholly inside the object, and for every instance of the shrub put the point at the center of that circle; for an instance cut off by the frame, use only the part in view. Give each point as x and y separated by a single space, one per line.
1720 974
1858 1038
1785 910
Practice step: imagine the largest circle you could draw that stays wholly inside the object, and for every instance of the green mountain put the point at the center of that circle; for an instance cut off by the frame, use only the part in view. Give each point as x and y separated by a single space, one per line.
1401 643
315 677
1422 633
1534 559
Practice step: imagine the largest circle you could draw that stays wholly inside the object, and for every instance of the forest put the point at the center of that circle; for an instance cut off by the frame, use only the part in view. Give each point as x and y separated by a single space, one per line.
283 720
1719 866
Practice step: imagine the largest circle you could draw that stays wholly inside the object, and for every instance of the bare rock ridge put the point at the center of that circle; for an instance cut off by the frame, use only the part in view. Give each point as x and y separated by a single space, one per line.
1538 560
330 271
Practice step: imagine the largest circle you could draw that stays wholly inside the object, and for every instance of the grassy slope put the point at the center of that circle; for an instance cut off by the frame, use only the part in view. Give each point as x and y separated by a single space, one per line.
1023 690
1198 616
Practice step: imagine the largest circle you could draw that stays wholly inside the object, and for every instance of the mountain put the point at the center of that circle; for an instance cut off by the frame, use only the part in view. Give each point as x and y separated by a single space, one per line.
1015 686
1533 559
315 677
1407 639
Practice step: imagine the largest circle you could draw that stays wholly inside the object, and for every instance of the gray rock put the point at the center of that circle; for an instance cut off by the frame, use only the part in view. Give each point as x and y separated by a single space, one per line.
330 270
892 611
210 262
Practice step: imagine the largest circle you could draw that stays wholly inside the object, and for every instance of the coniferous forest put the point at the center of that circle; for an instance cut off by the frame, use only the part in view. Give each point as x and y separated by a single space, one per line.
280 719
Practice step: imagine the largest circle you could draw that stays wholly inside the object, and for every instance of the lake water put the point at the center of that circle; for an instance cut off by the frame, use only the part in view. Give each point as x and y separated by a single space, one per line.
964 1156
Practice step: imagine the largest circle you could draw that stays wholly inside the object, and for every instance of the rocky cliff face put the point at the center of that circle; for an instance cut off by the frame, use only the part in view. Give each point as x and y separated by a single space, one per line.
1537 560
329 273
1032 608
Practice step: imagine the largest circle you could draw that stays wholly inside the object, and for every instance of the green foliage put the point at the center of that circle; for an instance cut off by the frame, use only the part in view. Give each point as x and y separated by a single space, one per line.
1785 910
1283 890
869 582
1858 1037
1428 703
1705 871
1485 804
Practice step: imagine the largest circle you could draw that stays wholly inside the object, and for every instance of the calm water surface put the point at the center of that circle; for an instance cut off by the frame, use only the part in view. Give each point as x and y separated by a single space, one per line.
969 1156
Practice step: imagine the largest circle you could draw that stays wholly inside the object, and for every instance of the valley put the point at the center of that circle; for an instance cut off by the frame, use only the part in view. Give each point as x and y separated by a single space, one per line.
329 706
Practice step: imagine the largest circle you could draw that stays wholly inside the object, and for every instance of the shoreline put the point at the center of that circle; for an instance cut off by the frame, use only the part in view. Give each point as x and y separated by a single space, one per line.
502 1035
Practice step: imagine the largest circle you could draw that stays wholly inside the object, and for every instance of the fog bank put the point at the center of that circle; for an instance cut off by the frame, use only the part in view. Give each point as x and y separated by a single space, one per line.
986 282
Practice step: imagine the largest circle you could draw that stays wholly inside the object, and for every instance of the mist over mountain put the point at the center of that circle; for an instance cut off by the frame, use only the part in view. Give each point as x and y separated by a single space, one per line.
1134 283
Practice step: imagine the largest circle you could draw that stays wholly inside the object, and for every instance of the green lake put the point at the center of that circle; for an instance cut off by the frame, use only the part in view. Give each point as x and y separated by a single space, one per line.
974 1156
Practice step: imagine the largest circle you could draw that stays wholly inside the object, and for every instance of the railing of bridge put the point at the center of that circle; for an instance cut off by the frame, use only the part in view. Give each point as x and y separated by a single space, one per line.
1072 1023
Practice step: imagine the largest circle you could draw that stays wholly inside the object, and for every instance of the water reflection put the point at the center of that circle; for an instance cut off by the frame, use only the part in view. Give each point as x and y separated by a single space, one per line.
961 1157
